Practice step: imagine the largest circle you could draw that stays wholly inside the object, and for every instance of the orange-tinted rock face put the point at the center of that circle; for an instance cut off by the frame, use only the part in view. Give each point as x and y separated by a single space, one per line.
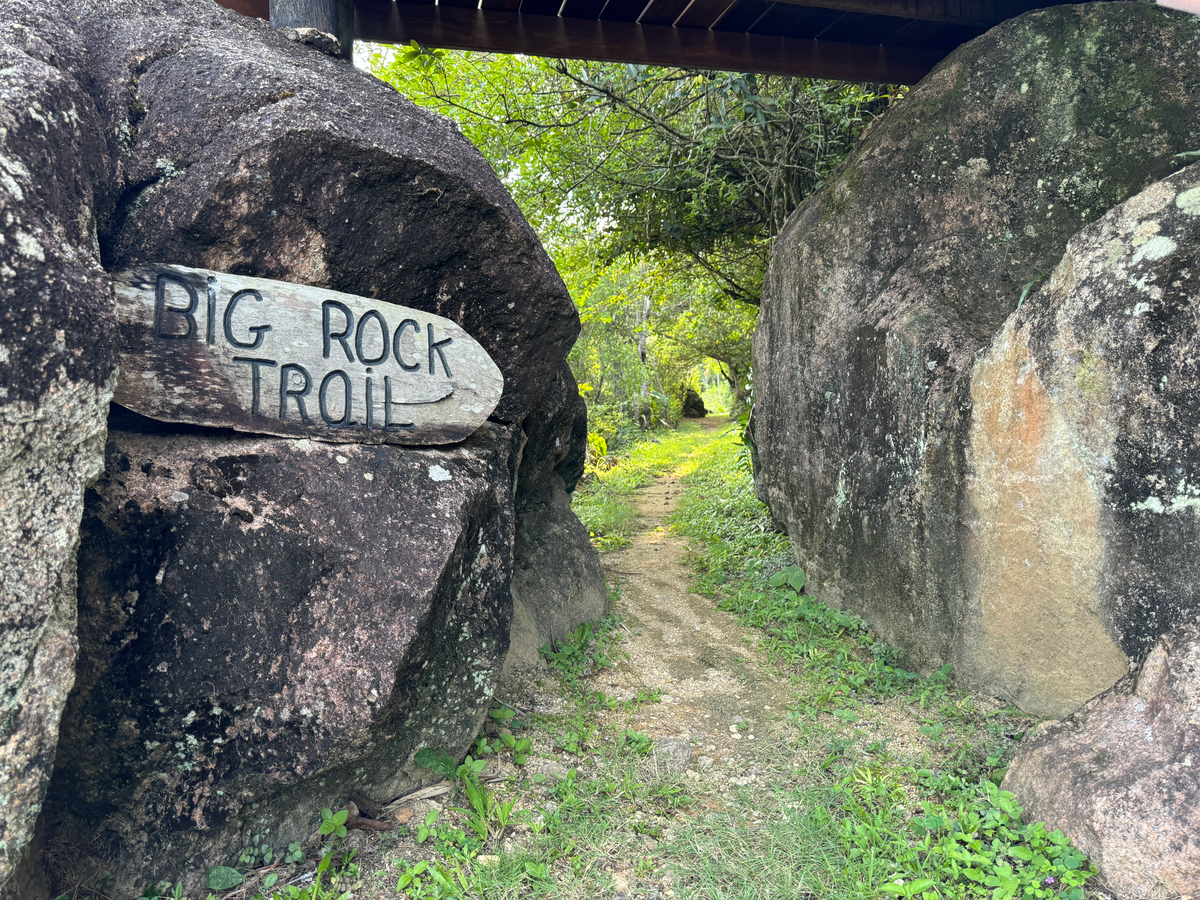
1086 458
1034 549
934 475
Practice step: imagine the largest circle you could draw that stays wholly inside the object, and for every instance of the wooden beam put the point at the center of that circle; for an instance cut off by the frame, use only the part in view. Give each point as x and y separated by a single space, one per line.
318 14
334 17
259 9
560 38
975 13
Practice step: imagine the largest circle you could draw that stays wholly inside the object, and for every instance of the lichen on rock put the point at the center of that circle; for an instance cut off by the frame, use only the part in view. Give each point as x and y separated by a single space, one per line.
265 623
884 290
56 378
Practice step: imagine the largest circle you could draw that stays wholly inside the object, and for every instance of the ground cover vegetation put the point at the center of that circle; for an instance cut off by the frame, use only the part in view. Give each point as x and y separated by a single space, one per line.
657 192
874 782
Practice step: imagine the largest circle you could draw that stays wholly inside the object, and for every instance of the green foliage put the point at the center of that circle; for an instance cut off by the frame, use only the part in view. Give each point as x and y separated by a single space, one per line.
971 844
486 814
701 166
649 331
436 760
163 890
636 741
583 652
318 889
657 191
260 853
433 880
334 823
967 841
730 532
602 502
221 878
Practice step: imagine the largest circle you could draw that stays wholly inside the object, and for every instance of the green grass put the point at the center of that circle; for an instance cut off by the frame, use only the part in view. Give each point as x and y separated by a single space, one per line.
602 501
774 841
937 830
730 531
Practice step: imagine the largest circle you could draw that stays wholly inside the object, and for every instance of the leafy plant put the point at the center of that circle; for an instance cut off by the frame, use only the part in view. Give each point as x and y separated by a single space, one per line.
431 880
333 822
436 760
584 651
221 878
972 845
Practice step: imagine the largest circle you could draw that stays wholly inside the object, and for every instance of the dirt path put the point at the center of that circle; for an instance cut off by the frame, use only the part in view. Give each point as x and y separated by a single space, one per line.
718 694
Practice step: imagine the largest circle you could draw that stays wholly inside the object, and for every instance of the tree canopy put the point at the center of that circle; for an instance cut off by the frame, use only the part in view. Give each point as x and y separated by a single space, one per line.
657 192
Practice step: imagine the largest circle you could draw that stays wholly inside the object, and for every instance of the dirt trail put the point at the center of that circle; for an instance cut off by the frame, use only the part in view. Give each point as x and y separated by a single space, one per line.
718 694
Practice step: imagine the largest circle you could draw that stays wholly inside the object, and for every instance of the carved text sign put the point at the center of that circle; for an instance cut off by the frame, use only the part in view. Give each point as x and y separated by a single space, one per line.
274 358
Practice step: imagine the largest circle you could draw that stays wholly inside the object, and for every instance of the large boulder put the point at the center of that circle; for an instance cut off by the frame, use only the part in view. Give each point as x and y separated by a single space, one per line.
265 626
1083 506
884 289
242 152
1119 776
693 405
557 578
268 623
56 369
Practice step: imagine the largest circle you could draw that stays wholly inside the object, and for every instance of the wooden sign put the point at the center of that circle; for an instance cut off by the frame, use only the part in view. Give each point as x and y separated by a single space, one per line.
270 357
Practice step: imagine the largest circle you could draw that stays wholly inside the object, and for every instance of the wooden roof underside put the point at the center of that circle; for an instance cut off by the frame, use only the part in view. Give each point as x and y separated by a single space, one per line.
854 40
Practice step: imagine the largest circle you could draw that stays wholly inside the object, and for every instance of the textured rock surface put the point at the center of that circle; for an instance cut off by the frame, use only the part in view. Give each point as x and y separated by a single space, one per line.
317 613
884 288
693 405
557 578
56 363
1083 511
245 153
278 622
1119 776
319 594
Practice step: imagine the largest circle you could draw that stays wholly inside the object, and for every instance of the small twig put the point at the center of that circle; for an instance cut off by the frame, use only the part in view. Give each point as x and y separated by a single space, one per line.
367 824
435 790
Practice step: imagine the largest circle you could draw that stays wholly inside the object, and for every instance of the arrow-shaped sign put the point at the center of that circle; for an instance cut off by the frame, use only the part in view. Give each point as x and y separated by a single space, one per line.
271 357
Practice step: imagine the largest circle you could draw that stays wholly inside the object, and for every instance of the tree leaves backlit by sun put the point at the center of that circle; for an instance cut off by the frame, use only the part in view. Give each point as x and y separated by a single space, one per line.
657 192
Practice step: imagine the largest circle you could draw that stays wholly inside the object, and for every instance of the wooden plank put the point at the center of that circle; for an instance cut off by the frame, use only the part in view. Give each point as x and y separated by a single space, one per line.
259 9
623 10
541 7
981 13
551 36
794 21
744 14
663 12
969 13
512 5
859 27
268 357
581 9
705 13
934 35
